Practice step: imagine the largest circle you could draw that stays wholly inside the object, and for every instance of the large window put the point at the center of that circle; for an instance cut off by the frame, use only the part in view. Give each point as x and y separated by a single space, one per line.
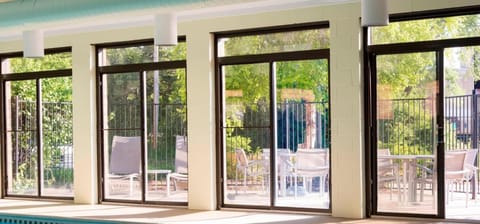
38 119
142 95
423 88
274 117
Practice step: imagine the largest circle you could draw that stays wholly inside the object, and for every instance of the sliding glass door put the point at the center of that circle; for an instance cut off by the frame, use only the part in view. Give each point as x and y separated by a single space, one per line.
276 134
407 137
143 122
38 126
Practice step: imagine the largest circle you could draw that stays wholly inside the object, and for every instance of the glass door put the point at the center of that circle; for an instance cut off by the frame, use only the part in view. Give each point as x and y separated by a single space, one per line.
276 135
461 110
406 141
303 141
246 130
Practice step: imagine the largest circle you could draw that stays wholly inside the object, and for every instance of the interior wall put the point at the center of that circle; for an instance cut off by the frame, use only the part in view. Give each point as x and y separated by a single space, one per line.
347 151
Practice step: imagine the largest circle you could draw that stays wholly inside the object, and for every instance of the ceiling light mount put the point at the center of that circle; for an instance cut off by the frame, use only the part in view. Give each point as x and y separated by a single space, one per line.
165 29
374 13
33 43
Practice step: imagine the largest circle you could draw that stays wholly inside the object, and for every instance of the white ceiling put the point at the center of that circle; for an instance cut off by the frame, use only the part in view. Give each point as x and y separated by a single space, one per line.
89 19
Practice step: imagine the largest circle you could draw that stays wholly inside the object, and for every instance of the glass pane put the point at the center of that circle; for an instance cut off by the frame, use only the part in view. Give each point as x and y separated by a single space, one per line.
48 63
427 29
274 42
461 72
142 54
461 110
407 91
247 133
21 142
167 141
122 155
302 134
57 127
122 164
121 101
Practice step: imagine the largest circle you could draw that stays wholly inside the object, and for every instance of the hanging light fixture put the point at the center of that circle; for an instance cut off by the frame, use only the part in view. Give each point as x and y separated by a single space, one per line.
165 29
374 12
33 44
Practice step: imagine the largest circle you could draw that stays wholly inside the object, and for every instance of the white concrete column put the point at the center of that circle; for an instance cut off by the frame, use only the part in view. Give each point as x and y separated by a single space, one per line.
84 123
346 88
201 120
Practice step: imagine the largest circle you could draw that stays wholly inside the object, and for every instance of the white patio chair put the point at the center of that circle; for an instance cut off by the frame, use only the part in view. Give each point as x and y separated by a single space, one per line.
470 158
285 167
181 165
311 163
250 168
455 172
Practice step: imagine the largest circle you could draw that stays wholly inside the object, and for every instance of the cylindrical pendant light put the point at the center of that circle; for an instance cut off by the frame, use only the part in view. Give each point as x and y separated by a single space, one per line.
374 12
33 44
165 29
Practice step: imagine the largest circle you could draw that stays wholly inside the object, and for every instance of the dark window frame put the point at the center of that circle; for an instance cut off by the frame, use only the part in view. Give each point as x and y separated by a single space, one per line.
139 68
37 76
369 69
269 58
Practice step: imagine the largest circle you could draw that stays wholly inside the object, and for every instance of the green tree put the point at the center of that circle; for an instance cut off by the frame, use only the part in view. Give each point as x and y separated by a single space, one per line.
57 118
413 76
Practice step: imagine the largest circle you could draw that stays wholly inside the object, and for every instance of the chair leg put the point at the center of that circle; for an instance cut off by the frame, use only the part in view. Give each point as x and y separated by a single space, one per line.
321 185
466 199
304 184
391 189
168 185
236 181
245 180
295 188
475 188
422 188
434 186
131 185
398 189
447 192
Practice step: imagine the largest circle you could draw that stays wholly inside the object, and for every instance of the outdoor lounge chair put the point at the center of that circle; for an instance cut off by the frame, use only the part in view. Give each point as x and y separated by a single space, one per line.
181 165
125 159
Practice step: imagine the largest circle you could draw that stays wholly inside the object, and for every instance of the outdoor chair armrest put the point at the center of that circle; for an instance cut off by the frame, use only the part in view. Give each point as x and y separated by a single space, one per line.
471 167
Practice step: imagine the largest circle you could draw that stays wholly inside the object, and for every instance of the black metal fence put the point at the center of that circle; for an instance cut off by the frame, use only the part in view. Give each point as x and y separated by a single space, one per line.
57 143
164 123
407 126
304 124
299 124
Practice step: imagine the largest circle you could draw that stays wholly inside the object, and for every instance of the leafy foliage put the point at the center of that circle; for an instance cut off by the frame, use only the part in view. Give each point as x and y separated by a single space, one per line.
57 118
413 76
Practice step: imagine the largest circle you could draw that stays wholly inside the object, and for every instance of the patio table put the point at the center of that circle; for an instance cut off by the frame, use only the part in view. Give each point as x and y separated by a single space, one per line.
409 171
156 172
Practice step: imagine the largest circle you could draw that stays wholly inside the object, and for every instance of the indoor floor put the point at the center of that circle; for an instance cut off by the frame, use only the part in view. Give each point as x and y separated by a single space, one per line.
150 214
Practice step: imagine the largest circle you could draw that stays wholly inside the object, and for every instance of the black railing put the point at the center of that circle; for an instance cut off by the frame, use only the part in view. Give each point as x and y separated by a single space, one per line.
164 122
299 124
407 126
22 129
